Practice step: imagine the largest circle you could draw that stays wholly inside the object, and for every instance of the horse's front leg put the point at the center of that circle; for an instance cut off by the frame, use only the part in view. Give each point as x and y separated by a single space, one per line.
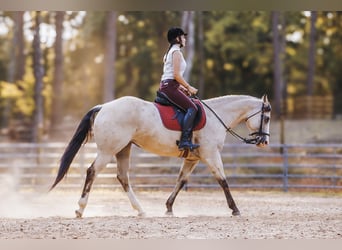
100 162
216 166
187 167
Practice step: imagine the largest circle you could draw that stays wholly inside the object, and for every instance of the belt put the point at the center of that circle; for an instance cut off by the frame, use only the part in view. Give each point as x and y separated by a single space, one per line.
167 80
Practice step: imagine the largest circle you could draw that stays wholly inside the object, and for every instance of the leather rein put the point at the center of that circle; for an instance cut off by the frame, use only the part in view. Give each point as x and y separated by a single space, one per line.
236 135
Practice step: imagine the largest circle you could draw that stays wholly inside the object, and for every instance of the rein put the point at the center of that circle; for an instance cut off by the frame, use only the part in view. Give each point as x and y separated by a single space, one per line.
232 132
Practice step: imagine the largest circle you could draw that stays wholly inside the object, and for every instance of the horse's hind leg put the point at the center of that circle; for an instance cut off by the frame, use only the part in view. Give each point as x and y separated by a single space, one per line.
99 163
187 167
122 174
216 167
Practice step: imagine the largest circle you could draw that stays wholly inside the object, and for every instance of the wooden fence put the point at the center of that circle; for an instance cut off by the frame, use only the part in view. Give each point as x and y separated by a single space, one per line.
283 167
310 107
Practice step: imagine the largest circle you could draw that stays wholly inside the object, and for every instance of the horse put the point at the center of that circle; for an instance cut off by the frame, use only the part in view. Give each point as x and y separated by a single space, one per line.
118 124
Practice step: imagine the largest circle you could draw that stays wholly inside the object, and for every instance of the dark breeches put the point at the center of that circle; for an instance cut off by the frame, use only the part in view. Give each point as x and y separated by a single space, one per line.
176 96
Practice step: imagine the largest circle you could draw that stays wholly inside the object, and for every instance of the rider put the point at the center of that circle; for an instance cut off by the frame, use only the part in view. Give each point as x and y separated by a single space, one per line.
175 87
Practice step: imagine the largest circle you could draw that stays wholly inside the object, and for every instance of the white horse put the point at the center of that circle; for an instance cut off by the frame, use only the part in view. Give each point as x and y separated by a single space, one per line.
118 124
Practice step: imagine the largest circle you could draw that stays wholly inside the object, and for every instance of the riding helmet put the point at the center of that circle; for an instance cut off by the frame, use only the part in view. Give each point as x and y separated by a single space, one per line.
173 33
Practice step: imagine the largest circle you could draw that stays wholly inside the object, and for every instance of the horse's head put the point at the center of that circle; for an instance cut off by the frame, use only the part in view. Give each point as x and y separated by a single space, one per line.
258 122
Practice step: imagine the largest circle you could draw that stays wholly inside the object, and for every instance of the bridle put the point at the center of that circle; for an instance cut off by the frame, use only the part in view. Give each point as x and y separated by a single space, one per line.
260 132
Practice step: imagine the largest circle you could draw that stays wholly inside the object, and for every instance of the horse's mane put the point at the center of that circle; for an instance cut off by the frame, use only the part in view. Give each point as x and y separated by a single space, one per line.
230 97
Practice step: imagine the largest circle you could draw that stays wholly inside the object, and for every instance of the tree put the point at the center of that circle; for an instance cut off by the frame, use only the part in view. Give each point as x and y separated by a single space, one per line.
16 70
278 48
235 49
312 52
16 66
110 57
58 75
84 70
20 72
141 43
188 24
201 55
238 49
332 59
38 124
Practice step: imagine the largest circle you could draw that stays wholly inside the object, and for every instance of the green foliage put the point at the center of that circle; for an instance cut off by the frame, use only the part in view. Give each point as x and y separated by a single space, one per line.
237 49
328 49
238 53
21 97
141 46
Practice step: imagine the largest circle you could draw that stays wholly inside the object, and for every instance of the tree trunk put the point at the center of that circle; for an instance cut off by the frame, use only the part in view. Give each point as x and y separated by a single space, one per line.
279 86
20 55
312 52
58 77
188 25
109 58
17 63
38 74
201 56
278 27
16 67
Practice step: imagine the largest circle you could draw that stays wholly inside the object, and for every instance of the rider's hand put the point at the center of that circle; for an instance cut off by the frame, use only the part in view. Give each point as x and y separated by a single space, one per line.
192 90
184 90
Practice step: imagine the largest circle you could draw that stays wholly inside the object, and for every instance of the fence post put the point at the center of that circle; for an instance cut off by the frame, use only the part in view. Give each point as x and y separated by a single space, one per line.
335 179
285 167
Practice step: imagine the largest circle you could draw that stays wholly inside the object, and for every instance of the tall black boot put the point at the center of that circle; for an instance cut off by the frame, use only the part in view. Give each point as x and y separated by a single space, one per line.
186 137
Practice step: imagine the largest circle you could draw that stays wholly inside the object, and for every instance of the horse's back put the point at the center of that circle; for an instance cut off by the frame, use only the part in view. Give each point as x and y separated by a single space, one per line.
122 109
124 113
125 103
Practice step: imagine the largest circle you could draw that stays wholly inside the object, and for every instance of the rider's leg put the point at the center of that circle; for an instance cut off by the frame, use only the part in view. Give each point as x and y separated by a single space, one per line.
187 126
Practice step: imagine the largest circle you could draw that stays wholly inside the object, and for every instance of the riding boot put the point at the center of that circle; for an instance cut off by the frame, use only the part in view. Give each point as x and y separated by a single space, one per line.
186 136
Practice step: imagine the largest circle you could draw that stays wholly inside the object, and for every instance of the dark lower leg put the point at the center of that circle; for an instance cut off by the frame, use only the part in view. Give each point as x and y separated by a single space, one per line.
231 203
187 167
123 166
171 199
124 183
85 193
89 181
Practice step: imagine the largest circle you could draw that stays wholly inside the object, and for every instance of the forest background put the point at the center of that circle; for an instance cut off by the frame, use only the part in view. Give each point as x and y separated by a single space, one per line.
55 65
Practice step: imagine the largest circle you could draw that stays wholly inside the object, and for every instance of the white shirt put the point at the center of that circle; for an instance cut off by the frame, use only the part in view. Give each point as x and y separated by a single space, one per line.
168 67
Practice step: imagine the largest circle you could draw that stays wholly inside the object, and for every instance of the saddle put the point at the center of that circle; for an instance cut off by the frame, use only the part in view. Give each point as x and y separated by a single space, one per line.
172 115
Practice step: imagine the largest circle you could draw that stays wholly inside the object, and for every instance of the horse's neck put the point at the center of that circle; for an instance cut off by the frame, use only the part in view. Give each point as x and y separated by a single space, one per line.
233 109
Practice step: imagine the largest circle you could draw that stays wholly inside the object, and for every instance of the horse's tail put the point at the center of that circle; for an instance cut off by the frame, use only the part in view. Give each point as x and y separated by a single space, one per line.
82 132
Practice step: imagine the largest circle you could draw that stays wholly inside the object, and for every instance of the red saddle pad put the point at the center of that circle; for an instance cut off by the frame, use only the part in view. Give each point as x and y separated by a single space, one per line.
170 121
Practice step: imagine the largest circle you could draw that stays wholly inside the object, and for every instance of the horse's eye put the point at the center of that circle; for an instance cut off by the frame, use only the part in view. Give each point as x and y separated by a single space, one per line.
266 119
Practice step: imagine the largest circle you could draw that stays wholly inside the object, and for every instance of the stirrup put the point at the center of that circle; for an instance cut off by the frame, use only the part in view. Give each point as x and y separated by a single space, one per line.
189 146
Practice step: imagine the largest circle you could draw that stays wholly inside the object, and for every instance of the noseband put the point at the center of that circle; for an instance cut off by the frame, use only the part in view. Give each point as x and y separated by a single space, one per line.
260 132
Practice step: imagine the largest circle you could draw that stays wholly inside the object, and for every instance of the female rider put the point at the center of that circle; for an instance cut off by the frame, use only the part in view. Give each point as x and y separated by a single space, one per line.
176 88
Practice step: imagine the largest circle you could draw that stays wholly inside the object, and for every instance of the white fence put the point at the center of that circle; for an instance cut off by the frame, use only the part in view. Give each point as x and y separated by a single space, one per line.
284 167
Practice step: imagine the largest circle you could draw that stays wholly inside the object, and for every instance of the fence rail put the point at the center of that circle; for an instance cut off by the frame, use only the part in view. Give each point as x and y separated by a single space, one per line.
284 167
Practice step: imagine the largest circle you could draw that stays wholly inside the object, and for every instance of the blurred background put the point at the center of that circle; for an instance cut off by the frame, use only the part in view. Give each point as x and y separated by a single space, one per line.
54 66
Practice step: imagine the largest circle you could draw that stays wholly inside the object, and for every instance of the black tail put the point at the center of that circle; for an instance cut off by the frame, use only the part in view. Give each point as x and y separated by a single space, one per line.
82 131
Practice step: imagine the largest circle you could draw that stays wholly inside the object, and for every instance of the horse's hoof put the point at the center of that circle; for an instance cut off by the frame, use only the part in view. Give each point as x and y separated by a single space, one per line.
236 213
142 214
169 213
78 214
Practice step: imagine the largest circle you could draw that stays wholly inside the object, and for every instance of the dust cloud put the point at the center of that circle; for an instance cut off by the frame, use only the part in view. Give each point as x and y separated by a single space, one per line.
29 203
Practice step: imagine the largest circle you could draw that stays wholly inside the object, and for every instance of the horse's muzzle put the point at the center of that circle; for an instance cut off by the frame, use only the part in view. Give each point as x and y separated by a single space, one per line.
261 140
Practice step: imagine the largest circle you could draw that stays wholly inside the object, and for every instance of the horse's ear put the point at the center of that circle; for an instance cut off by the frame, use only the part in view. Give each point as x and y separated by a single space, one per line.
264 98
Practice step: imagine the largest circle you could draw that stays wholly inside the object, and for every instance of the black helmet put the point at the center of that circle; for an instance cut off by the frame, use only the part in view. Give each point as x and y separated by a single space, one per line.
173 33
